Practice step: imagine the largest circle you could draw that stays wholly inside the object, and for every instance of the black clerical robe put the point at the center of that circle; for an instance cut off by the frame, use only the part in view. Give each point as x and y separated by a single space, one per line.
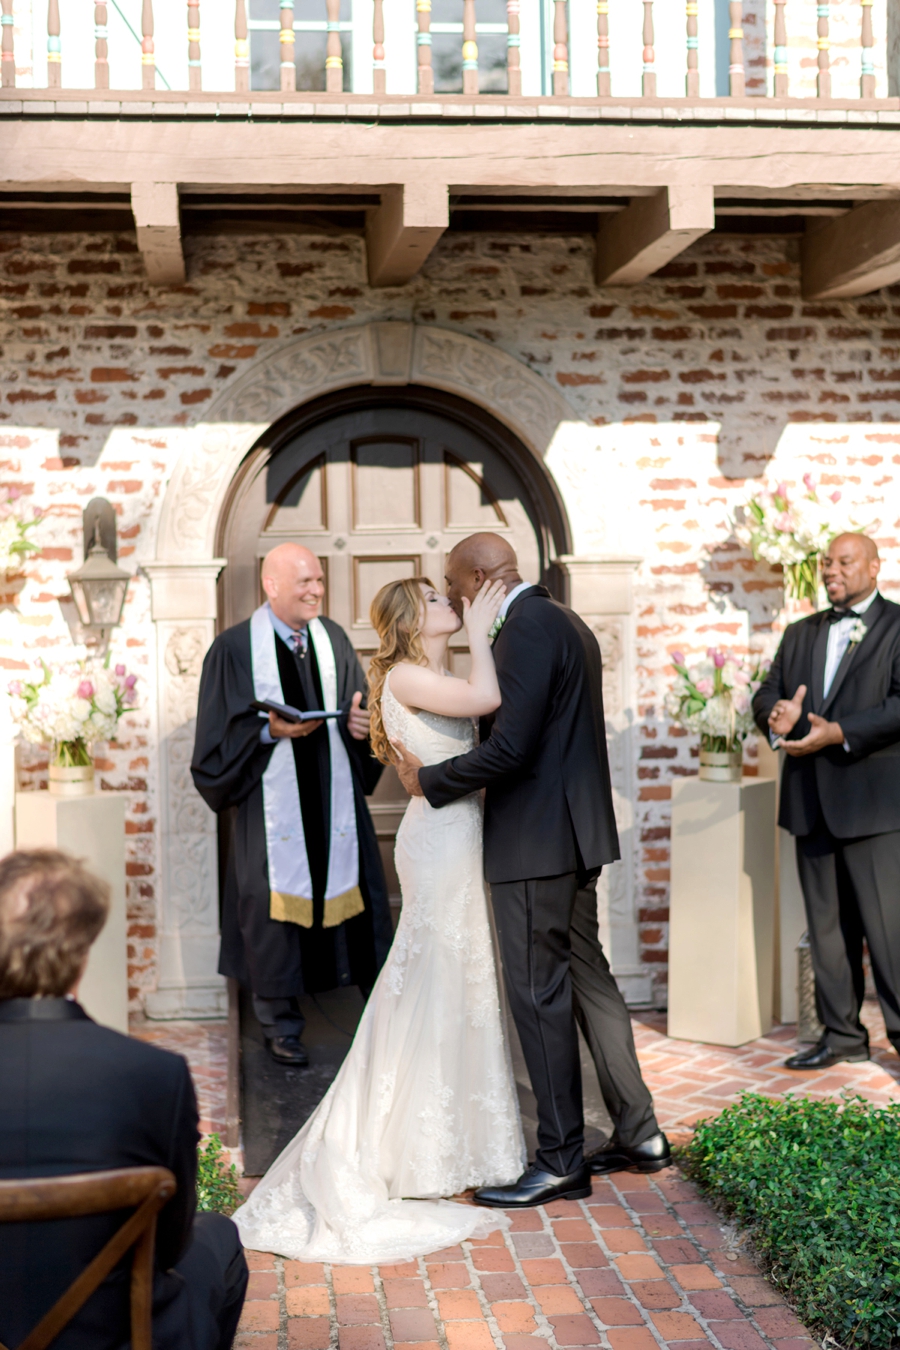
272 958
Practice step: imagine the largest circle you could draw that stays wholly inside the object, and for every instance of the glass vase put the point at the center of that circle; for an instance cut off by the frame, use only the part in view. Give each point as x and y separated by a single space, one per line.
721 759
801 580
71 770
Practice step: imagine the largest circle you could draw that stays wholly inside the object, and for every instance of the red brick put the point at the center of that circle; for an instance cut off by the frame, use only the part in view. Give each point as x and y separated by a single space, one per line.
677 1251
715 1304
581 1254
253 1341
361 1338
260 1315
547 1271
655 1294
695 1277
634 1267
469 1336
491 1258
514 1317
573 1230
357 1309
676 1326
406 1270
502 1287
309 1333
412 1324
610 1216
575 1330
754 1291
309 1300
599 1282
779 1322
265 1261
617 1312
404 1293
455 1305
620 1240
558 1298
737 1335
631 1338
450 1275
524 1343
261 1284
352 1280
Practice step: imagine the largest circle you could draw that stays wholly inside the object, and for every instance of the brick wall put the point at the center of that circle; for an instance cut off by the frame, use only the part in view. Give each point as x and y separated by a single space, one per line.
713 372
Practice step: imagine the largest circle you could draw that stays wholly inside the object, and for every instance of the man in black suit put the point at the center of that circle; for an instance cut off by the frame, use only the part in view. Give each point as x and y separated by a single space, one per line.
832 702
77 1097
549 828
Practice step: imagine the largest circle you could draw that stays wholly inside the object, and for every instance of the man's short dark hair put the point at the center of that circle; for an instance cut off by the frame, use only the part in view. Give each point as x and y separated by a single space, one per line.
51 910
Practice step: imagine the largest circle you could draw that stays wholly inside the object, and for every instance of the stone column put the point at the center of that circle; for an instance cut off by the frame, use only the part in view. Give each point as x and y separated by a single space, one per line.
601 591
183 597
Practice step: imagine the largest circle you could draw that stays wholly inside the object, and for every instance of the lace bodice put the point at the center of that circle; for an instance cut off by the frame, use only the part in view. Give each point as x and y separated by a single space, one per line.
432 737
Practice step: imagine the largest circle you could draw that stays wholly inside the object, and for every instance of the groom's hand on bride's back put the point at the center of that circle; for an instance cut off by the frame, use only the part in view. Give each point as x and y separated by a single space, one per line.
408 767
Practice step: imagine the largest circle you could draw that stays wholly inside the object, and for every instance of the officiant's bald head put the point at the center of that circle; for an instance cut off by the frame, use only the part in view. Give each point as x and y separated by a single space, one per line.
294 583
479 558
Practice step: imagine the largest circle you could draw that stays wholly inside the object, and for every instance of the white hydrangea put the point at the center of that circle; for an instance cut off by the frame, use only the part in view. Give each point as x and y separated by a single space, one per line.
72 703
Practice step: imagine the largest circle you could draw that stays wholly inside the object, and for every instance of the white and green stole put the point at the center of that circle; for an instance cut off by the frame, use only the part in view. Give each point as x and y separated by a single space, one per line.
290 886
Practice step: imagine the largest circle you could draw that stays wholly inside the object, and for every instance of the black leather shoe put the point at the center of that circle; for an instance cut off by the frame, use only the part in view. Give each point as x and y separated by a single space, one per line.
536 1187
288 1050
651 1156
821 1056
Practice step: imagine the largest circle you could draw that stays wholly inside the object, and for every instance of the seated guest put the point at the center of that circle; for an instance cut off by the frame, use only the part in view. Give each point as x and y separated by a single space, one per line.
78 1097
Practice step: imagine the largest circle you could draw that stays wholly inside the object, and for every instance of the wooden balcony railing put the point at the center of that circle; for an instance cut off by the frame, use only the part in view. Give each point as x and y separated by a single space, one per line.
521 37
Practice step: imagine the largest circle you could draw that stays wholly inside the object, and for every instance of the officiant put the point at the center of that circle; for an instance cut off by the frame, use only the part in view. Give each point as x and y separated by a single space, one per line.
305 905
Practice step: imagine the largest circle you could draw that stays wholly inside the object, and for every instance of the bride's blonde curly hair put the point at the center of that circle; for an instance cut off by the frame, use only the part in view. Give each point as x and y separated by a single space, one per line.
396 614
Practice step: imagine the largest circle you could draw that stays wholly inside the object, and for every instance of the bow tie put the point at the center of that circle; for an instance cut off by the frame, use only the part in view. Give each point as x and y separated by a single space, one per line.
835 615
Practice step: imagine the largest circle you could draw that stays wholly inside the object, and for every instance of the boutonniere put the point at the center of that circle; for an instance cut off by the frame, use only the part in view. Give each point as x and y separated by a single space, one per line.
496 626
858 631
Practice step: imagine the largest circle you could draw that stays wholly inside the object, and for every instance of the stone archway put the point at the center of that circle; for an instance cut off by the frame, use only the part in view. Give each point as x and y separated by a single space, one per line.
184 573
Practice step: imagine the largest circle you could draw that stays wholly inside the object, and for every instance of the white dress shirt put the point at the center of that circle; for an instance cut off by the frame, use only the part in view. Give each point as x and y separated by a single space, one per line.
511 595
286 633
839 640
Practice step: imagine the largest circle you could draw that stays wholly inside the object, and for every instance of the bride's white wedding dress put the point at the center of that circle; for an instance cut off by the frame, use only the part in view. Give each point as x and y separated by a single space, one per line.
425 1103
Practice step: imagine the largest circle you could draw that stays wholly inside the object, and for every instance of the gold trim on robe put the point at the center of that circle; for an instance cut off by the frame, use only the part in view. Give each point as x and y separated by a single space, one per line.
299 910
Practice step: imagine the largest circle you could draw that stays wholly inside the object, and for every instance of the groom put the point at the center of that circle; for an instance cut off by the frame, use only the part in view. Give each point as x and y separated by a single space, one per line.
549 828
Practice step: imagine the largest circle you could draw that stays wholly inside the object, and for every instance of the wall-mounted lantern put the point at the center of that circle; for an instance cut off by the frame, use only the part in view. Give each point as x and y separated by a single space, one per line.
98 587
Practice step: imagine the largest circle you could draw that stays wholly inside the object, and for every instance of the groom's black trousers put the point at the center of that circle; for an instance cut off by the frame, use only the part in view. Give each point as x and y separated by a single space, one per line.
556 973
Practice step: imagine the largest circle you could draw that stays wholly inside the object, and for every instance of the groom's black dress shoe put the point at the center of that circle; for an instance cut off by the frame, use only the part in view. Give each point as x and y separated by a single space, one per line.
537 1187
651 1156
288 1050
821 1056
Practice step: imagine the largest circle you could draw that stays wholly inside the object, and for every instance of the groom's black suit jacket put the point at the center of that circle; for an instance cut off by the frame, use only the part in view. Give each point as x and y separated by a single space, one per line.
858 792
548 807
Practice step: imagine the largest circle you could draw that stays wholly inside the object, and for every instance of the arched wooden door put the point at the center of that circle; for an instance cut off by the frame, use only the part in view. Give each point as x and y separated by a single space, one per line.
381 484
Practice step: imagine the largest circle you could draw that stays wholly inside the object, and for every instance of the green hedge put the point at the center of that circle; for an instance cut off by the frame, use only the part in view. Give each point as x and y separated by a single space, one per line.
217 1186
817 1186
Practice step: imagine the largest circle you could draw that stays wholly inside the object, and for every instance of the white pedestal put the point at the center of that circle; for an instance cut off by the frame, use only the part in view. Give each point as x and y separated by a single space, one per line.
92 829
722 910
790 913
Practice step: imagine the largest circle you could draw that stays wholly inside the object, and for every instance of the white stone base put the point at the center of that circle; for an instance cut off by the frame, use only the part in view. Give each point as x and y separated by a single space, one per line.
636 985
722 910
92 829
188 986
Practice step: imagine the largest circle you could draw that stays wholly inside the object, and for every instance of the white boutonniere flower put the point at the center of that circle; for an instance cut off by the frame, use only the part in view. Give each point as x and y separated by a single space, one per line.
496 626
858 631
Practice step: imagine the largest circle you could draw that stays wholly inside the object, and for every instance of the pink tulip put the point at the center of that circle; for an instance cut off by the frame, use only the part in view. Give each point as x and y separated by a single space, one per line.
120 671
781 490
835 497
677 658
809 481
131 681
85 689
15 687
704 687
719 660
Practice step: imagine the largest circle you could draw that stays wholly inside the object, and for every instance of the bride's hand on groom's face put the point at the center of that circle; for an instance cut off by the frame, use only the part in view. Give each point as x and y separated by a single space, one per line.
408 767
479 614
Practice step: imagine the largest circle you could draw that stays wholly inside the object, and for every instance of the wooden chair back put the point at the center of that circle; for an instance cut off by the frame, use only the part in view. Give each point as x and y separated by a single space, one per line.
143 1189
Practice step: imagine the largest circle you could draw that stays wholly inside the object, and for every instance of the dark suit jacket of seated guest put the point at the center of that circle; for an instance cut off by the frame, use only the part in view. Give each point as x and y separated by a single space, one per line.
857 791
78 1097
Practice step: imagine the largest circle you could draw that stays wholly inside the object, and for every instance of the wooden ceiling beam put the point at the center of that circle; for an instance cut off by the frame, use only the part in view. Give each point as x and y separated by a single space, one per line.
638 241
857 253
158 222
403 230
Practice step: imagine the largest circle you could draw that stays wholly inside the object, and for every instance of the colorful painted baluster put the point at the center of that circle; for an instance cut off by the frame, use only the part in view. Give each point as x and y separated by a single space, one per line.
560 49
379 74
334 60
54 46
736 81
603 72
780 53
692 78
195 78
823 78
648 79
423 47
513 56
867 76
469 49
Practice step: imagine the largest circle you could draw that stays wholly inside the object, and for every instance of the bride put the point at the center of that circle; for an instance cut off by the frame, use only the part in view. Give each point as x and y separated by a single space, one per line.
424 1104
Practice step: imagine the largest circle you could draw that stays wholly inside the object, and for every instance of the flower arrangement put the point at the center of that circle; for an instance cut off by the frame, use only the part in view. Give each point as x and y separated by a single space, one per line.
791 531
71 706
14 526
714 696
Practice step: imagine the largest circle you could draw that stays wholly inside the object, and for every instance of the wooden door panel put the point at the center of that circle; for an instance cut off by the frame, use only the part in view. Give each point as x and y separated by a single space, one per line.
385 478
370 574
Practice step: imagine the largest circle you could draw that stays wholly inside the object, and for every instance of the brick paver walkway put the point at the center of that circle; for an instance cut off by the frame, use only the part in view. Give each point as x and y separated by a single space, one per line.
643 1264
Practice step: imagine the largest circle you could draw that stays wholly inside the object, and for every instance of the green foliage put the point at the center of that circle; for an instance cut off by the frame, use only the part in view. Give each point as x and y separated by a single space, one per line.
817 1185
217 1186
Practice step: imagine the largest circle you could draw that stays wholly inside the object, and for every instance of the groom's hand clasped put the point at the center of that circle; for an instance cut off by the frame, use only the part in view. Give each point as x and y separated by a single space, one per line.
408 766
